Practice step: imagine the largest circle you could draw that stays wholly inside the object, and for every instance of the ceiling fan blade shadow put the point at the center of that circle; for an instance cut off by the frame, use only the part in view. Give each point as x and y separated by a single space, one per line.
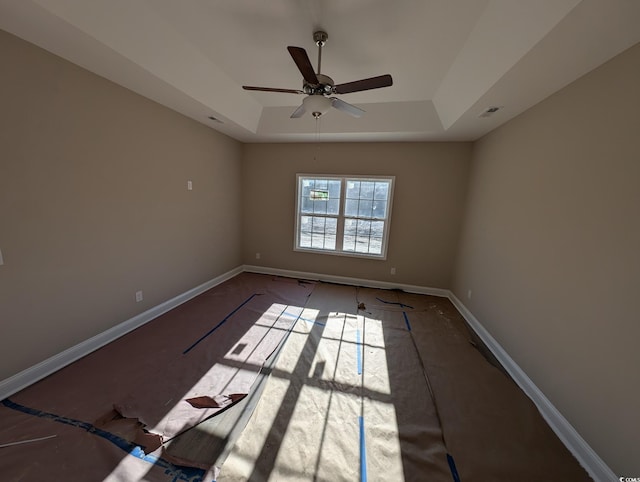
272 89
299 112
301 59
364 84
343 106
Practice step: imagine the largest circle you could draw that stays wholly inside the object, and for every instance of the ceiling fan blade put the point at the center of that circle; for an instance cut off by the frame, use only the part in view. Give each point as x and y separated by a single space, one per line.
350 109
299 112
301 59
271 89
364 84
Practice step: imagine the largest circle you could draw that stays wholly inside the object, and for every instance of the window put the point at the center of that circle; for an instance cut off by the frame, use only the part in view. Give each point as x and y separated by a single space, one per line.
346 215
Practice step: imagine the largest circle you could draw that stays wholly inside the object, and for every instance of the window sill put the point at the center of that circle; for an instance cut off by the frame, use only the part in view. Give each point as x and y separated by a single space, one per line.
348 254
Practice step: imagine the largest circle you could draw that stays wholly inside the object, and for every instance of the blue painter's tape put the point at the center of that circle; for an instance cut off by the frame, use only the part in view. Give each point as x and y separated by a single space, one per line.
359 352
406 320
452 467
401 305
219 324
363 452
178 473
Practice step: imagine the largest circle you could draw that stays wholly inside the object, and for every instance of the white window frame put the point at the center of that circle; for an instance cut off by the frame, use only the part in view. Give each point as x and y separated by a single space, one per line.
341 215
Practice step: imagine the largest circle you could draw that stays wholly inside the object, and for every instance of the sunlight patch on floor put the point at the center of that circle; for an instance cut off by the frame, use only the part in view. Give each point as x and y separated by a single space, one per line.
374 360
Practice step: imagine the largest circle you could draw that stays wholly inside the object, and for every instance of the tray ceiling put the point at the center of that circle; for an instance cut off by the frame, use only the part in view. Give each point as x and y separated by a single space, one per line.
450 59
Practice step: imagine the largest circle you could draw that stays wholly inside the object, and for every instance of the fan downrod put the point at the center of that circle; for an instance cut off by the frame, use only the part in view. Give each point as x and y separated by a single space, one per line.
320 38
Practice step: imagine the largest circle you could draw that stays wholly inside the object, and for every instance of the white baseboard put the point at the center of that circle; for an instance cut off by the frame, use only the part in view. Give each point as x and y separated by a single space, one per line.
386 285
586 456
37 372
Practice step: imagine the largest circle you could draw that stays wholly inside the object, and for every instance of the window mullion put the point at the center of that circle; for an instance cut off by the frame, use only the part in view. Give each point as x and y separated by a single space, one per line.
340 227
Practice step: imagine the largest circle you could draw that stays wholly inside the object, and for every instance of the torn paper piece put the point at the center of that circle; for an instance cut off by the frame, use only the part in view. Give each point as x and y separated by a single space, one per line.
217 401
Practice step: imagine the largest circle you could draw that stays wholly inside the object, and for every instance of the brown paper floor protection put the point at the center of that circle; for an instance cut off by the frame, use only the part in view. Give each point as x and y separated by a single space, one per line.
370 380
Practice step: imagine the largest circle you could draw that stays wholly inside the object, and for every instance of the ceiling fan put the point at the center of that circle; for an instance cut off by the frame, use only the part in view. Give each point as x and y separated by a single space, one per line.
318 87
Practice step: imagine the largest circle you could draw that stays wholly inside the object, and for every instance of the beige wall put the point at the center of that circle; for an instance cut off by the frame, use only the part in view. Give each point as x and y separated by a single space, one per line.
551 251
94 205
430 185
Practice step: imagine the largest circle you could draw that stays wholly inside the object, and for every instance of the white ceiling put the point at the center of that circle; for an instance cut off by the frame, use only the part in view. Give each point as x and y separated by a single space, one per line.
450 59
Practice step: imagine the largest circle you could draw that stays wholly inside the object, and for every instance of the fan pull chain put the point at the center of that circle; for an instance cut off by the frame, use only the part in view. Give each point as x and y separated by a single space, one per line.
317 153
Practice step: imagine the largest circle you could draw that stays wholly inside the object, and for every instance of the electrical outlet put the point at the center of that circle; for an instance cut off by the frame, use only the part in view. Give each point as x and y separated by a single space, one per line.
138 296
393 271
189 186
469 294
257 255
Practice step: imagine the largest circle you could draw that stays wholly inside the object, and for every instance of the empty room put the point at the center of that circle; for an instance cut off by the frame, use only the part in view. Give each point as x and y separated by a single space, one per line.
305 240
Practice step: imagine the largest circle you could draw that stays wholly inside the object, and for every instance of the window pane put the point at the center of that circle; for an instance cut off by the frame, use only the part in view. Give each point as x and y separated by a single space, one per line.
379 209
331 226
334 189
381 191
320 206
333 206
366 190
317 242
353 189
375 246
377 228
349 243
362 244
350 226
351 207
364 228
318 225
365 209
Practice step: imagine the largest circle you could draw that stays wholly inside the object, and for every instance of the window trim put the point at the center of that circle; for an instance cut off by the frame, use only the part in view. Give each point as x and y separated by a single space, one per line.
343 178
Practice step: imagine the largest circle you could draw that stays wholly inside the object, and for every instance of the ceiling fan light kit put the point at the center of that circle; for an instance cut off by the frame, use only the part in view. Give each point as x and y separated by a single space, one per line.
319 87
316 104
